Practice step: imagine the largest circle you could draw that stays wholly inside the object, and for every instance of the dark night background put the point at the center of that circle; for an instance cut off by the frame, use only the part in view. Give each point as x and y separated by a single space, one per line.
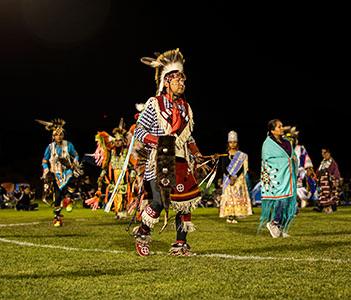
80 61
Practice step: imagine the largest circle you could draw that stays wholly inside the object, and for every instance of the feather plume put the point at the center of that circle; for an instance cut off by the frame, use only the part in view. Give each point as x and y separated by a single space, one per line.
53 125
47 125
151 62
121 123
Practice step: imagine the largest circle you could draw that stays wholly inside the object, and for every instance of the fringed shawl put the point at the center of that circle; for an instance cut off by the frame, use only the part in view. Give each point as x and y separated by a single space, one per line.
278 171
278 183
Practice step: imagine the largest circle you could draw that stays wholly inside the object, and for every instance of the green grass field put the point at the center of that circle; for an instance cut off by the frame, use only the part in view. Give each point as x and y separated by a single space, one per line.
92 257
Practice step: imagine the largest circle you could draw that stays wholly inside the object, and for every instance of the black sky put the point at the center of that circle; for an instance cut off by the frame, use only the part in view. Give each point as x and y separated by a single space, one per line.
79 60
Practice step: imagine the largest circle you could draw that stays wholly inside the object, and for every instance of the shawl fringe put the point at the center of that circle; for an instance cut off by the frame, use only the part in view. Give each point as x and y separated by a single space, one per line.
269 208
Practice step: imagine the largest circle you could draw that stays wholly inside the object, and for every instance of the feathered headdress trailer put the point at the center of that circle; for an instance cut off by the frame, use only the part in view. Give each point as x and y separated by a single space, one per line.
171 60
56 126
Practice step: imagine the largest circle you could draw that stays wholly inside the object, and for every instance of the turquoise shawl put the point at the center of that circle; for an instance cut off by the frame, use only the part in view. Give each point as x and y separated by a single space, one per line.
278 182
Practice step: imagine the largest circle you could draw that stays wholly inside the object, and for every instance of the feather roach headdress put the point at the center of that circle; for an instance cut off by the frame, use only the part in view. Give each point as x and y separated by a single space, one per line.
120 133
56 125
171 60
